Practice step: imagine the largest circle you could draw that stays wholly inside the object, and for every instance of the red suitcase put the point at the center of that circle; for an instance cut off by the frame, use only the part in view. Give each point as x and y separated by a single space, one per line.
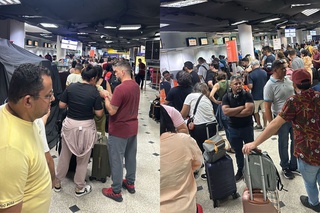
255 200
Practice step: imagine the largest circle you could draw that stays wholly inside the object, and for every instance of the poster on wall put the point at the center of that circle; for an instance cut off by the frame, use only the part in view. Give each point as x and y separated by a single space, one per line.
232 52
277 43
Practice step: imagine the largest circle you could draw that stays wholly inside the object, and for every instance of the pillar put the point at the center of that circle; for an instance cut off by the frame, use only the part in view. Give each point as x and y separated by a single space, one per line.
246 40
13 31
61 53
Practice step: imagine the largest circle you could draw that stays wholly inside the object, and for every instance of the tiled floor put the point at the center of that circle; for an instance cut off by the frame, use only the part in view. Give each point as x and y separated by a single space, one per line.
146 198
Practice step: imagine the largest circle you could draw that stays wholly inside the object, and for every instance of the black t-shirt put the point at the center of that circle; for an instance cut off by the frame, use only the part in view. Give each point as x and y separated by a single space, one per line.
243 97
177 95
211 76
81 99
195 78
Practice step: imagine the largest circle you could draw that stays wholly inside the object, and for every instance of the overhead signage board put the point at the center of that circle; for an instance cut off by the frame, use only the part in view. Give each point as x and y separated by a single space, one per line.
232 51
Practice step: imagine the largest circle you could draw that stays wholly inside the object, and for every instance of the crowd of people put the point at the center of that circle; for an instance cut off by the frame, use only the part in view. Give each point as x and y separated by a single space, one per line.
277 90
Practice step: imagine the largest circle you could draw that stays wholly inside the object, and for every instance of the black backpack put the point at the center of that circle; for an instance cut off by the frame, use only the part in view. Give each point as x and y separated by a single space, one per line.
268 64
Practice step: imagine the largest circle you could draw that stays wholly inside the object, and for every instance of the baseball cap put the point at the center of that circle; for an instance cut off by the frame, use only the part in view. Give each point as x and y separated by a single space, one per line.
301 76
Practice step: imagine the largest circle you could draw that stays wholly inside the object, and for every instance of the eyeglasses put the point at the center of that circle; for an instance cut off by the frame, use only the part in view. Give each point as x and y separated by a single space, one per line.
49 97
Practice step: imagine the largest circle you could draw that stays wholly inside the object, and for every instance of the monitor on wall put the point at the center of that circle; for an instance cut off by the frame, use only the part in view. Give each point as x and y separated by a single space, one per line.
191 42
203 41
290 32
69 44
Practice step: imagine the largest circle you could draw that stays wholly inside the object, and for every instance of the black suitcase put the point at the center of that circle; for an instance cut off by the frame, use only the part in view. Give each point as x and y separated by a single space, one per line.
220 178
100 160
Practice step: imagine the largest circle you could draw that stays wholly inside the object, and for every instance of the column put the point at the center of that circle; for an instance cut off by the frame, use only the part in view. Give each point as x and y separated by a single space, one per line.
282 37
299 36
246 40
13 31
61 53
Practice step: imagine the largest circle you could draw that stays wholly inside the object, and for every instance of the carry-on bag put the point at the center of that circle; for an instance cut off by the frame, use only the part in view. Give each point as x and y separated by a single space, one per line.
220 179
255 199
214 147
100 160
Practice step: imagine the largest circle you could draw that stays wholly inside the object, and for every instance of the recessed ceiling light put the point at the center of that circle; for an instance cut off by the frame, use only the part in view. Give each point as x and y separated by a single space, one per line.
239 22
130 27
300 5
108 42
110 27
182 3
26 16
309 12
9 2
163 25
48 25
270 20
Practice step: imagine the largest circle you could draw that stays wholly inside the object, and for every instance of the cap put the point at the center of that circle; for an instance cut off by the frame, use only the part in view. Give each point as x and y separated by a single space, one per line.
189 65
301 76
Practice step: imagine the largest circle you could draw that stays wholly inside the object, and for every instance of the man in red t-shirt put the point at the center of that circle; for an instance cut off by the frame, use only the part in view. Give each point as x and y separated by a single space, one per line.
141 74
123 129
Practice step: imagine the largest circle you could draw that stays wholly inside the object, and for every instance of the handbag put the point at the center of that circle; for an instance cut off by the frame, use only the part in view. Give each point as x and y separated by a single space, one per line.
190 121
214 147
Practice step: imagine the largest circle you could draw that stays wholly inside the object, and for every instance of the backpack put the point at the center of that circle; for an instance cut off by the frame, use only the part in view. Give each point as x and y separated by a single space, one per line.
271 174
268 64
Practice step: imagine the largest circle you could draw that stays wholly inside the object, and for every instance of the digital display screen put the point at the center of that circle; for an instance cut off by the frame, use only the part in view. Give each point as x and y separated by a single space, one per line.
203 41
290 32
68 44
191 42
35 43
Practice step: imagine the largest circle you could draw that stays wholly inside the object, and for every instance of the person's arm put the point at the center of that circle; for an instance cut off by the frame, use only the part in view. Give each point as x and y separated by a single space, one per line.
45 117
50 163
248 110
99 112
268 113
231 112
271 129
250 86
107 100
185 110
215 88
62 105
210 84
108 87
13 209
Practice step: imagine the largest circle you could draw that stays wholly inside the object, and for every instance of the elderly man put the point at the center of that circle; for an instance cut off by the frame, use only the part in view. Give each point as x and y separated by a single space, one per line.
303 111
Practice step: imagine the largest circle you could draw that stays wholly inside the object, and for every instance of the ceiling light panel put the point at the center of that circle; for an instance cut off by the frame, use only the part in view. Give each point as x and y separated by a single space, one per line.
9 2
309 12
239 22
163 25
130 27
270 20
183 3
300 5
110 27
48 25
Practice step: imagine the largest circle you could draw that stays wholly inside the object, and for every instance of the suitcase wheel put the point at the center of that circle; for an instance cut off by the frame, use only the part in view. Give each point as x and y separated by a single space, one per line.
216 203
103 180
91 178
235 195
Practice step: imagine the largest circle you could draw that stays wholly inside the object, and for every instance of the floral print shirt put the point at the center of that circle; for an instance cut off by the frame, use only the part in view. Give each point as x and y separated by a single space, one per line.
303 110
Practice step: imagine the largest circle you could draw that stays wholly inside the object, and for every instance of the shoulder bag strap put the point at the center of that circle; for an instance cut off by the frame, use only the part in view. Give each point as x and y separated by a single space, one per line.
195 108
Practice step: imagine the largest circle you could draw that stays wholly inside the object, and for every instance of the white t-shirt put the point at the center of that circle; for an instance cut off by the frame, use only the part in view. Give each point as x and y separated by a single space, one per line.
73 78
204 113
42 130
203 69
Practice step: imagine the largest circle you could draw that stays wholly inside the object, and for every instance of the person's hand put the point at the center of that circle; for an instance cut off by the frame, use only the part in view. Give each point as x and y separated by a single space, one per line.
246 149
218 102
104 93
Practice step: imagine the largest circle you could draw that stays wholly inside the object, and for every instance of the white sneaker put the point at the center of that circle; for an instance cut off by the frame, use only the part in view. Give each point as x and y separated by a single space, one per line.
85 190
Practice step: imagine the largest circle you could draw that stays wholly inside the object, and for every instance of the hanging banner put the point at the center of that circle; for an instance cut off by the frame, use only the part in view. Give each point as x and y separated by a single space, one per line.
232 52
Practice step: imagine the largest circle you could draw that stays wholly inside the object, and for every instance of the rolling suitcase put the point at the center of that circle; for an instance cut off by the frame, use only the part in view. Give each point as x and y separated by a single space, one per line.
255 200
100 160
220 179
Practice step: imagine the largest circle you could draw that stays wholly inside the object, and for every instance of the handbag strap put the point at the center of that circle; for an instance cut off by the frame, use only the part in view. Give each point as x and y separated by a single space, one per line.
195 108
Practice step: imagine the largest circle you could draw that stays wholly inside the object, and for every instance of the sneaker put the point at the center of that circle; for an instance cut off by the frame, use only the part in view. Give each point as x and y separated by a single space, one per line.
108 192
85 190
296 172
304 200
238 176
127 186
287 173
204 176
57 187
258 127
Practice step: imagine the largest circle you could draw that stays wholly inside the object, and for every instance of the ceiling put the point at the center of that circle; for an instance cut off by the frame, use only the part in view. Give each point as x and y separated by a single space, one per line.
218 15
90 17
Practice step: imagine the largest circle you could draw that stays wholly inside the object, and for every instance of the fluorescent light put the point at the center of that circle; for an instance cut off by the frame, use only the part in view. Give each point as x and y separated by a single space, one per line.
182 3
9 2
309 12
92 42
270 20
46 35
130 27
81 33
110 27
108 42
163 25
239 22
300 5
48 25
157 34
26 16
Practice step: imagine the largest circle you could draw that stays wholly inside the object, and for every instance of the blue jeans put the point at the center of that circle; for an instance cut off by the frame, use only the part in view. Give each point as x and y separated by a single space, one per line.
238 136
310 175
283 146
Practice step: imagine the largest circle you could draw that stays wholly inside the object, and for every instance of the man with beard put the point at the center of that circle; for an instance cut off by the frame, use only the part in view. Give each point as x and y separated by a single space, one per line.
238 105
